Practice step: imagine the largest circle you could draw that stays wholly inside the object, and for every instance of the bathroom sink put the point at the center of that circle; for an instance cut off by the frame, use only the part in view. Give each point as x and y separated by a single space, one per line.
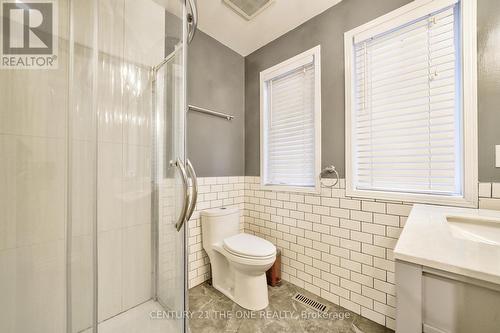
475 228
463 241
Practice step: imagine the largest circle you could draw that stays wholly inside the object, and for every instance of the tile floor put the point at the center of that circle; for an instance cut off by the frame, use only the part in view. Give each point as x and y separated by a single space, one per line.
212 312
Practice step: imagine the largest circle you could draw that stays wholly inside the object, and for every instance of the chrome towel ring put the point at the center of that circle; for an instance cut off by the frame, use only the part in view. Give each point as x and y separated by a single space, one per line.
329 170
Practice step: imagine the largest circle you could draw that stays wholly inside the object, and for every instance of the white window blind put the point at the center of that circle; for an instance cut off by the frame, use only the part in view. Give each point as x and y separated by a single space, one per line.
289 125
406 127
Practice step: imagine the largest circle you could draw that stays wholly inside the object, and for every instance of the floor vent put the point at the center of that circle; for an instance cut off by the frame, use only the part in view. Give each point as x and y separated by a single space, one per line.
310 303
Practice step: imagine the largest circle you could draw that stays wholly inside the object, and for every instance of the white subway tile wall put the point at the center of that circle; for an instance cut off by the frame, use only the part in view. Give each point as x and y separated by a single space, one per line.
337 247
489 196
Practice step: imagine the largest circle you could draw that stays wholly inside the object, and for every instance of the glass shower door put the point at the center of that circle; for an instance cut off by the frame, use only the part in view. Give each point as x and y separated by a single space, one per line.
171 184
170 175
175 184
93 186
33 163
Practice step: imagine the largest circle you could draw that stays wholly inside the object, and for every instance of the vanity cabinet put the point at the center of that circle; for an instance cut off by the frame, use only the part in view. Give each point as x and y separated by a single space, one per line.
435 301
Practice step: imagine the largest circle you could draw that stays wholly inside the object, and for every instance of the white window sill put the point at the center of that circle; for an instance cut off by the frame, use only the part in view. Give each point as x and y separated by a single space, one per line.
470 201
285 188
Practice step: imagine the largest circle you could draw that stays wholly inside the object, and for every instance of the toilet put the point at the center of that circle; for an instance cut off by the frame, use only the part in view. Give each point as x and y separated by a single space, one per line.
239 261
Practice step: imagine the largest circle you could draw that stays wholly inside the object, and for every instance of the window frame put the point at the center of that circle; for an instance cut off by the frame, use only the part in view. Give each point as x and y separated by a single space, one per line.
410 12
271 73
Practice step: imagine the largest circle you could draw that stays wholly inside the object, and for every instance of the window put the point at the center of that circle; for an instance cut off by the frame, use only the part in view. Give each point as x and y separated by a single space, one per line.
411 105
290 114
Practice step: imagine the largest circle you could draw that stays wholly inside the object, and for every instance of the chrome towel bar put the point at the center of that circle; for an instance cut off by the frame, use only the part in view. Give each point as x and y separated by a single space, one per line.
210 112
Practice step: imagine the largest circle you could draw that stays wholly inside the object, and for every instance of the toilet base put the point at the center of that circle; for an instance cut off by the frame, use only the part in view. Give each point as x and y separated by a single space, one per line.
241 279
250 291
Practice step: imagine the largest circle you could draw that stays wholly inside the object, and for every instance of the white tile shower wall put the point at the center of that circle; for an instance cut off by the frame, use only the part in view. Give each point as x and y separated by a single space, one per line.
337 247
213 192
124 187
124 150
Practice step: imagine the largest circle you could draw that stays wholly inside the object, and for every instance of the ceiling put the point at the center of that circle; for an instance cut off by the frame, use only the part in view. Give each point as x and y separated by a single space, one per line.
222 23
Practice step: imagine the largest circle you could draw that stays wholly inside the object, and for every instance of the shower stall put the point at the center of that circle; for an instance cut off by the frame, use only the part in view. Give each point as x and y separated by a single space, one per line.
94 182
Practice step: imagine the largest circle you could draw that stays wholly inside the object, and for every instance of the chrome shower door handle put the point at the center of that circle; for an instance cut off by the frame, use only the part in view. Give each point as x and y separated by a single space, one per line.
194 189
185 195
192 19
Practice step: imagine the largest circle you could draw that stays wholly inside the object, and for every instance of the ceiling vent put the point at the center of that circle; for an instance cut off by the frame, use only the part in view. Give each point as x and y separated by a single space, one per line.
248 9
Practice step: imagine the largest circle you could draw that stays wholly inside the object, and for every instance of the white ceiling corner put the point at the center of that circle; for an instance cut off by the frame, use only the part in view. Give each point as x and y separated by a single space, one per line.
220 22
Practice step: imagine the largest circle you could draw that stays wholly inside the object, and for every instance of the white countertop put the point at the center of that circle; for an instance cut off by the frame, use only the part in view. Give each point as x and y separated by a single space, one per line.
427 240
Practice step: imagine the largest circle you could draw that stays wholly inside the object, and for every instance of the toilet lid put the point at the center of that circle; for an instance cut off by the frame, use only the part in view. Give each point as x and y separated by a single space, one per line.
249 245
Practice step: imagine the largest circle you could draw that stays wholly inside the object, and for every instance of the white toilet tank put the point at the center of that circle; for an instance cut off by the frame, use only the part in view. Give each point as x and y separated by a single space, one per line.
218 224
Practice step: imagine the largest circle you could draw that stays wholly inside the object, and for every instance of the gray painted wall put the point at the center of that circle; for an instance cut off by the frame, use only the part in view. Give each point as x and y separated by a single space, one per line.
216 80
328 30
488 38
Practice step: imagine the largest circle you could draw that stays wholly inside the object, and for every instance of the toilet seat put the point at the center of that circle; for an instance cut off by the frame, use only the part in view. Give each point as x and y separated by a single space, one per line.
249 246
249 260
